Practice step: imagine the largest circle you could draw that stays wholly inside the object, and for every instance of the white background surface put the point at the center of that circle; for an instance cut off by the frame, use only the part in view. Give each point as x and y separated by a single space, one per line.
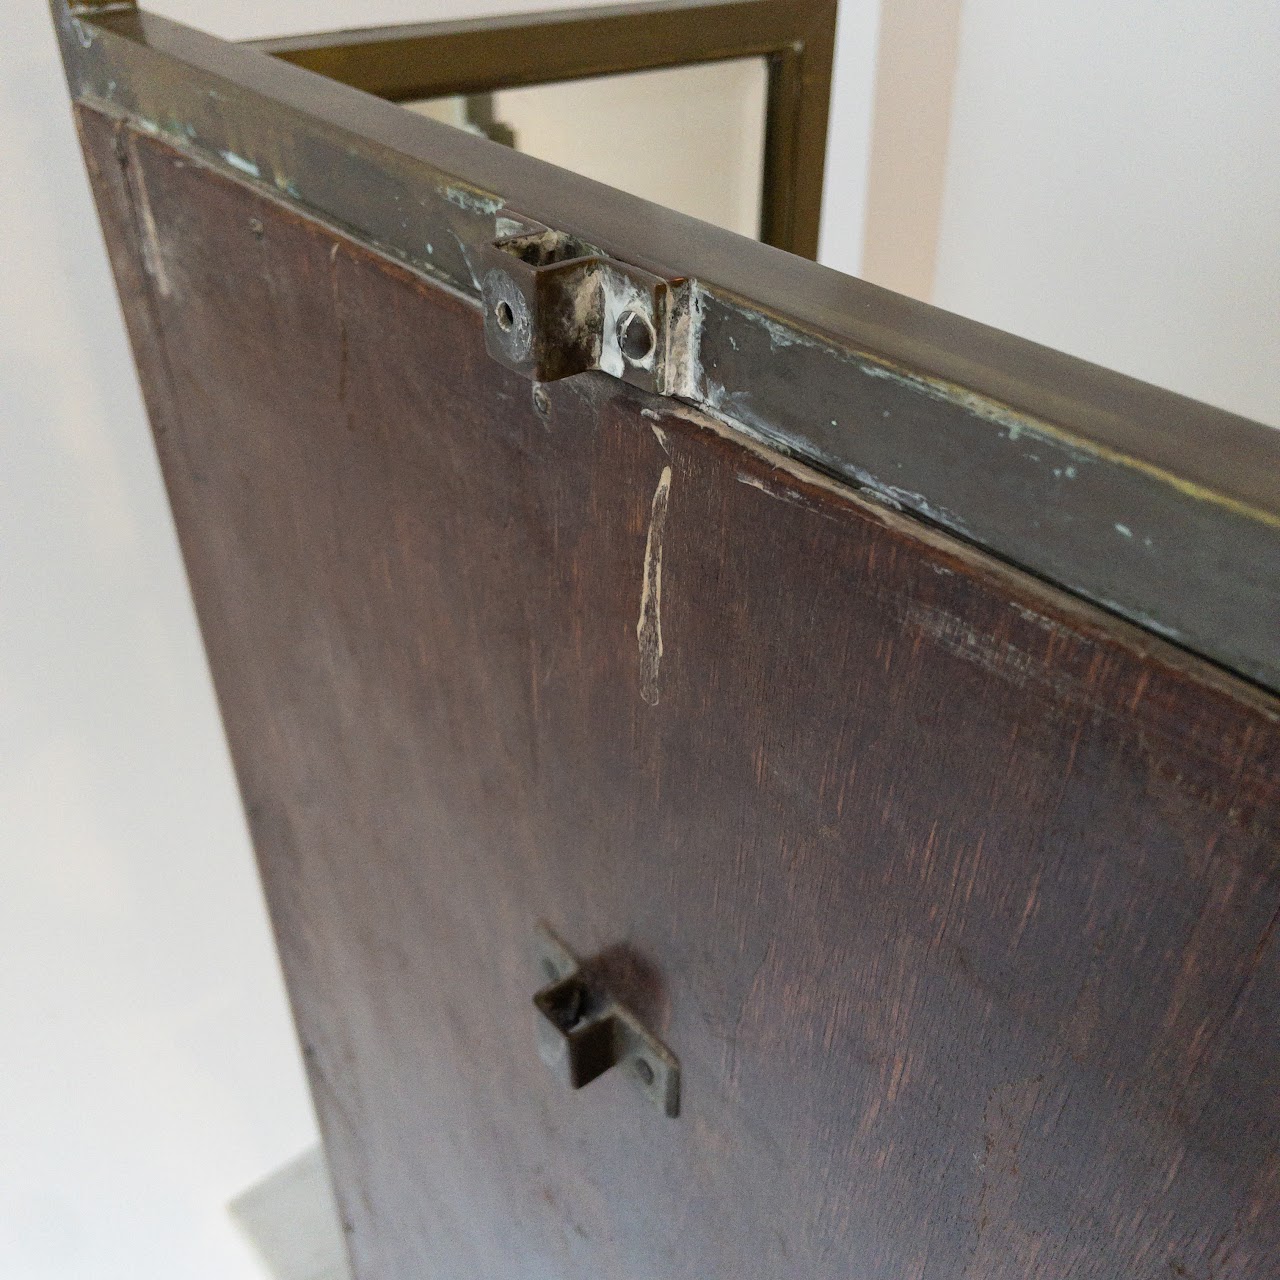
1111 186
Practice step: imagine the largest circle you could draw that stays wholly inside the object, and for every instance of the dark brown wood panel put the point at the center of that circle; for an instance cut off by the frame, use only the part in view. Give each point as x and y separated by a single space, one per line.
955 897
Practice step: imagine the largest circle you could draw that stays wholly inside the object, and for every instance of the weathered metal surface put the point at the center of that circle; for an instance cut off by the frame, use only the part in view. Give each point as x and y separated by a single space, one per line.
555 307
584 1030
796 38
1164 511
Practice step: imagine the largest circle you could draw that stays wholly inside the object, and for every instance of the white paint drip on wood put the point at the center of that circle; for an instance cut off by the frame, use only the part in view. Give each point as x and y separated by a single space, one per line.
649 626
152 252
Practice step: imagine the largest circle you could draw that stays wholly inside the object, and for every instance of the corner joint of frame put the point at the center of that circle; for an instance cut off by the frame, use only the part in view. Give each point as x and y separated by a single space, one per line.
555 306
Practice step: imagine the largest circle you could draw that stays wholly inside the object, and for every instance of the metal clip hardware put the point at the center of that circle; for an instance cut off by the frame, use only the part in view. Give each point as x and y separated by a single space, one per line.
583 1031
555 306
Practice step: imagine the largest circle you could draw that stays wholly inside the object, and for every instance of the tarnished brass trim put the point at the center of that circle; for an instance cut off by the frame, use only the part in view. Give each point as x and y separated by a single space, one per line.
795 37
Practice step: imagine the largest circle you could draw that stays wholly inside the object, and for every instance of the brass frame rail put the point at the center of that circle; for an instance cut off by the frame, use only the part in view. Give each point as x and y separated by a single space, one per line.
796 38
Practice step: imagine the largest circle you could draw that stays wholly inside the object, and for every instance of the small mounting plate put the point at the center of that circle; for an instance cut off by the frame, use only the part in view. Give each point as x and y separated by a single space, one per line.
555 306
583 1030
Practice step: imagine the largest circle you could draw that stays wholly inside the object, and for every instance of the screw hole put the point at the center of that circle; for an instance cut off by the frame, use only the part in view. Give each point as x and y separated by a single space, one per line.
541 401
635 336
644 1071
549 968
570 1008
505 316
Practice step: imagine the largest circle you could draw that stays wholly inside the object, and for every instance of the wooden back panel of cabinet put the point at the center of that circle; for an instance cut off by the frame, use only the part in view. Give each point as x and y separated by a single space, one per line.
954 895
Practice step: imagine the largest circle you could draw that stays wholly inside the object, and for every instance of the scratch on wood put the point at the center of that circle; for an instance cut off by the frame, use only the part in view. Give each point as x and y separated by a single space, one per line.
649 626
152 253
782 495
999 1231
992 652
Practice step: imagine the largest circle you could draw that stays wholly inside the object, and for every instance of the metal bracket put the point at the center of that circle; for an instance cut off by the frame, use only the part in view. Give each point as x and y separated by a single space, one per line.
555 306
583 1030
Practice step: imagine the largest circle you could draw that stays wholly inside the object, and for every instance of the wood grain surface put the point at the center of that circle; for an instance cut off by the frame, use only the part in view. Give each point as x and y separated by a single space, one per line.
955 897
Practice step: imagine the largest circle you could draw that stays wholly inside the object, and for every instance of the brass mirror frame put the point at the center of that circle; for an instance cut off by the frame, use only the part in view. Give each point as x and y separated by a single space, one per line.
796 39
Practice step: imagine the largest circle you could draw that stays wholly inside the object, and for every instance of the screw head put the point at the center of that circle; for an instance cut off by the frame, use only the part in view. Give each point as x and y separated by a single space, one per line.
635 337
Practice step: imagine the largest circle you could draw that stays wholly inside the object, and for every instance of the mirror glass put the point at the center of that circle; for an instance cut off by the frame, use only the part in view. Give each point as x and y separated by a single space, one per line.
690 138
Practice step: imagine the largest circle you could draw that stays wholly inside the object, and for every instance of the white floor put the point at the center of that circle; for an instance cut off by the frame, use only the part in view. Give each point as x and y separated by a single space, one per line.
292 1222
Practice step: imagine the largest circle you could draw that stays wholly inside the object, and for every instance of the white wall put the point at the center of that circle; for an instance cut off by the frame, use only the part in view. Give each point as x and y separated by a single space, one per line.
914 76
147 1070
1113 187
849 136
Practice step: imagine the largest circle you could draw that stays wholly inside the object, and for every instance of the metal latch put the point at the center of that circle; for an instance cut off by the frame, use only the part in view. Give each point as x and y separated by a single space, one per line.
583 1030
555 306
